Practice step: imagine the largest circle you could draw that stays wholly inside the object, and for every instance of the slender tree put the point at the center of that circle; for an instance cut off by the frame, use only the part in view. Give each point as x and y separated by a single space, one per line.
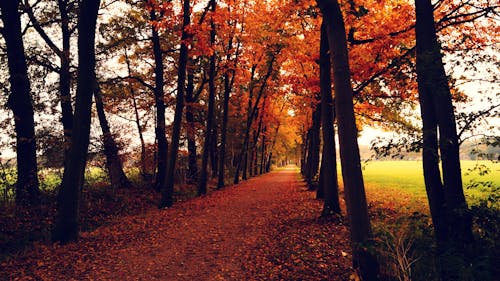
312 160
349 151
20 103
228 85
251 116
449 211
161 137
209 136
328 180
66 226
167 188
143 169
64 54
192 174
114 164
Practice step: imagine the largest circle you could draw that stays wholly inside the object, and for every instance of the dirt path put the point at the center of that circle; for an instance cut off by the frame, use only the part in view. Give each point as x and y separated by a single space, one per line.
265 228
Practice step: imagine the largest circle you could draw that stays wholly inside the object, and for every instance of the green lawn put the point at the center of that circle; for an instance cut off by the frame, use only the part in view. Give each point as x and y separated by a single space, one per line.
407 176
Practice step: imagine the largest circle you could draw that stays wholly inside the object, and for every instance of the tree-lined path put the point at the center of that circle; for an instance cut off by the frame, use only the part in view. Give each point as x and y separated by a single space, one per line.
266 228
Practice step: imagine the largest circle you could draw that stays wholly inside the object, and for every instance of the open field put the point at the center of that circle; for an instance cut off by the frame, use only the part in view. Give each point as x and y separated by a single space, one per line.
404 179
408 175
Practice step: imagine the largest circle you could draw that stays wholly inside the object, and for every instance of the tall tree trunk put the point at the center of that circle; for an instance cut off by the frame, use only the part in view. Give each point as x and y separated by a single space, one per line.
329 180
262 154
223 133
20 103
304 146
349 151
167 189
161 137
241 162
66 226
228 85
449 211
143 169
320 192
190 129
64 71
114 164
65 75
312 162
213 151
202 186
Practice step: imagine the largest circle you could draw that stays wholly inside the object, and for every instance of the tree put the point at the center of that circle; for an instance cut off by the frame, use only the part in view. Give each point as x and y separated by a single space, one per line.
328 174
66 225
357 209
114 164
312 160
450 215
20 103
209 136
64 54
167 189
161 137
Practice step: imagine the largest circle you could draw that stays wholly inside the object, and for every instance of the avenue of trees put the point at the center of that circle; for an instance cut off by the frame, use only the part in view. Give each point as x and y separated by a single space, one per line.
209 93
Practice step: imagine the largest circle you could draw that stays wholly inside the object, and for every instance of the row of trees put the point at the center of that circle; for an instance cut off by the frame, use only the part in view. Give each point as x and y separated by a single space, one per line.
449 211
205 74
245 83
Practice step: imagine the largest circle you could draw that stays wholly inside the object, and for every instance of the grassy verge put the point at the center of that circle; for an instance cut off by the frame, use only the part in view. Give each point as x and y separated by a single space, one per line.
403 227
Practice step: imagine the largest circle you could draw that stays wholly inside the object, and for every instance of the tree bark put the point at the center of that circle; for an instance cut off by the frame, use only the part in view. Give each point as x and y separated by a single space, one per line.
250 118
64 71
213 150
202 185
192 174
449 211
114 164
168 186
161 137
329 180
262 154
143 169
349 151
65 75
303 147
66 226
312 162
223 133
20 103
228 85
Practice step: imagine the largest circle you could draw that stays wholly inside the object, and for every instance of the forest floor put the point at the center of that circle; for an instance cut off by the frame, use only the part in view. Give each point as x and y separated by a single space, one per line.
266 228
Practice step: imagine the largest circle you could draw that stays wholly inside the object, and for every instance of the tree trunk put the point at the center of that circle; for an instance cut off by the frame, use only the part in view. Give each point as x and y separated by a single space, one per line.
223 133
320 192
161 137
252 112
66 225
262 154
202 186
114 164
213 151
20 103
312 162
304 146
143 169
349 151
168 187
449 211
329 182
65 76
64 71
190 129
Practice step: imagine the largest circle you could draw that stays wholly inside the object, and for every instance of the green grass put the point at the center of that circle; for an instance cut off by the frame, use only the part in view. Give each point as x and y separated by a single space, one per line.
407 177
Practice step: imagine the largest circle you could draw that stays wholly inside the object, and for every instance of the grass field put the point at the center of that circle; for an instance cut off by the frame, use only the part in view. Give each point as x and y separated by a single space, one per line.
405 178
